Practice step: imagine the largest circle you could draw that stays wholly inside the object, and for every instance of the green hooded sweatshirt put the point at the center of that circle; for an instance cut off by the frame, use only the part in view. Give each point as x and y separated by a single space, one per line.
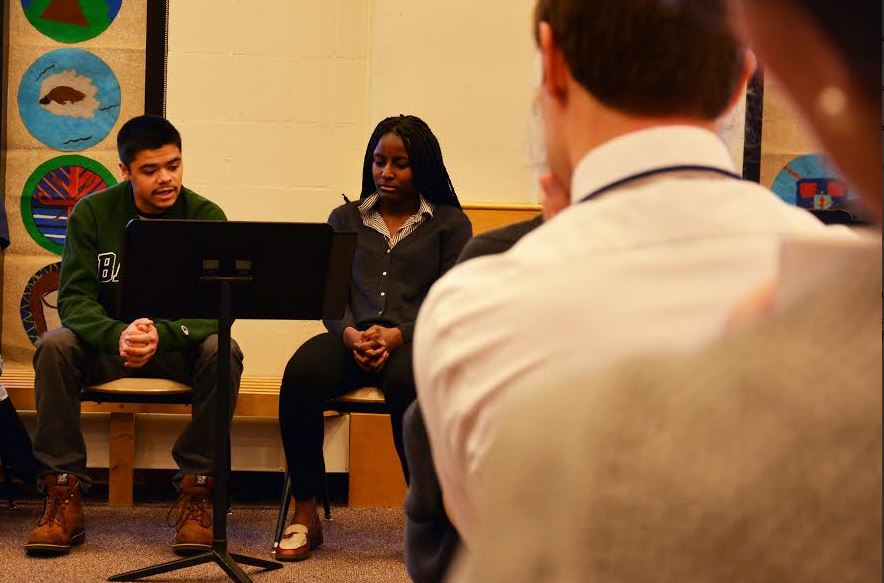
90 266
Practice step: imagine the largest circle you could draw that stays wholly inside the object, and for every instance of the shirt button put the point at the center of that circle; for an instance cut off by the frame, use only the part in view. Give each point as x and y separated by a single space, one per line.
385 273
381 313
383 294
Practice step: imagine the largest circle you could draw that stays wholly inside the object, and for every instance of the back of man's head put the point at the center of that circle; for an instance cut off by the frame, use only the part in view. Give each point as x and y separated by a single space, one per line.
145 132
650 58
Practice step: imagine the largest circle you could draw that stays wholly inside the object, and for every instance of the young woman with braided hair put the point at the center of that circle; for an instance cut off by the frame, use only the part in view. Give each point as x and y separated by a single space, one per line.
410 230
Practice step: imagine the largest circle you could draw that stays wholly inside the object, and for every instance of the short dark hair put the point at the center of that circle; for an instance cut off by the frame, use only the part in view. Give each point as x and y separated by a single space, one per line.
424 154
145 132
649 57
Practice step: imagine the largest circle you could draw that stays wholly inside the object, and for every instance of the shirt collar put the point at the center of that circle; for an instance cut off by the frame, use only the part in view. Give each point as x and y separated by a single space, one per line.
645 150
366 207
367 204
424 206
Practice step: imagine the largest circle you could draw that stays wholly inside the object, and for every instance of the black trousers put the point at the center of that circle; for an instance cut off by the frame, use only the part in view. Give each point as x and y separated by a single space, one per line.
322 369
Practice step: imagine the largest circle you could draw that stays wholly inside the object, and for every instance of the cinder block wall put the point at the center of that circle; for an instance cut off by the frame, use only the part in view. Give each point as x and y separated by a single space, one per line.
276 101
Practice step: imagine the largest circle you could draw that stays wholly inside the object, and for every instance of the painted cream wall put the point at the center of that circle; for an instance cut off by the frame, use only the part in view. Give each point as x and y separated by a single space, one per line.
276 99
271 100
469 69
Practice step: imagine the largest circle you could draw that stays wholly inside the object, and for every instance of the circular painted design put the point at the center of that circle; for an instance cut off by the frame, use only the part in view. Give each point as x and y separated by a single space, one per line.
71 21
51 192
39 302
809 182
69 99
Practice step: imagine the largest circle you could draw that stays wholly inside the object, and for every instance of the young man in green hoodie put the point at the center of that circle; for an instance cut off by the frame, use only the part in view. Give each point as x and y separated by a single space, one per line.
93 347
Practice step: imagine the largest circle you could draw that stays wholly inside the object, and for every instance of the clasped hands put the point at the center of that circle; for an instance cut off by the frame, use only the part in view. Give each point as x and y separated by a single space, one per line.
372 348
138 343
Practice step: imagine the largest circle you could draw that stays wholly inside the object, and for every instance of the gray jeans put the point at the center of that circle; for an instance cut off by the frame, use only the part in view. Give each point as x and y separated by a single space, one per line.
64 365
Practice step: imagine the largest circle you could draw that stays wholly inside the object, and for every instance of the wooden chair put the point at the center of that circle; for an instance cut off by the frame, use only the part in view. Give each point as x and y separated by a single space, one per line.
125 391
139 390
130 390
369 400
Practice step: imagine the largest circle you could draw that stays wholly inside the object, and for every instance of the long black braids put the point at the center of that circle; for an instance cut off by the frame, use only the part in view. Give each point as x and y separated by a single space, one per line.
431 178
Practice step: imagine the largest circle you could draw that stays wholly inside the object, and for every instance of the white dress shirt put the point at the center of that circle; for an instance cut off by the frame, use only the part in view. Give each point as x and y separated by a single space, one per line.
654 265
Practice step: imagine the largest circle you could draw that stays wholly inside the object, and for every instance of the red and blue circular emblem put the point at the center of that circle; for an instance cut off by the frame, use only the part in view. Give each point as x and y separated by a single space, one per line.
52 191
809 182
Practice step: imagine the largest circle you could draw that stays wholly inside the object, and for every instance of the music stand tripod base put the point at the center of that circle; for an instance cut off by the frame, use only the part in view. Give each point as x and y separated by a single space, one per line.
218 554
214 269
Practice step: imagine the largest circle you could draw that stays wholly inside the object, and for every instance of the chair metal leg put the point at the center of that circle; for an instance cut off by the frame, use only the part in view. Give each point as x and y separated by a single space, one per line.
283 509
10 490
285 502
326 509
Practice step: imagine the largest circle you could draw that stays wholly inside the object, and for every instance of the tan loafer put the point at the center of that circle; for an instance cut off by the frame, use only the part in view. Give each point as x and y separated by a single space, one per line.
298 541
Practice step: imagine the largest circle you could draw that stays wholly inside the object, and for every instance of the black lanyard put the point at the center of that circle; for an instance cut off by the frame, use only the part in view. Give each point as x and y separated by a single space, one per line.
654 172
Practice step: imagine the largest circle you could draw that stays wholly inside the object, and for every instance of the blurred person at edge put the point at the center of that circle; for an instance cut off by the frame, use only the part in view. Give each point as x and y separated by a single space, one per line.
660 239
757 459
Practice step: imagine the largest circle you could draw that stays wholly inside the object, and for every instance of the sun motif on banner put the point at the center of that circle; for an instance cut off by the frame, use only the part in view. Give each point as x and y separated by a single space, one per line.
39 302
52 191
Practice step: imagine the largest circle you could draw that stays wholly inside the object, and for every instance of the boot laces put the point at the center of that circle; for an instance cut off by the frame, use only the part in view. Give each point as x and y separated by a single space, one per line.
190 507
52 509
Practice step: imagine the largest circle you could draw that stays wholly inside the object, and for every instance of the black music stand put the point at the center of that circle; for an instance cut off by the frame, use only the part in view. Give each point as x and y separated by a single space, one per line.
223 270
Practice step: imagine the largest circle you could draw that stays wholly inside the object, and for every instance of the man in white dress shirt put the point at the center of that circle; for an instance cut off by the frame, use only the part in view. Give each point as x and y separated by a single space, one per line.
661 238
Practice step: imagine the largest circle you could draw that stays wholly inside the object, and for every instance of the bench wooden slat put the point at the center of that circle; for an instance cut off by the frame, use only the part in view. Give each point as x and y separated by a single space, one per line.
258 396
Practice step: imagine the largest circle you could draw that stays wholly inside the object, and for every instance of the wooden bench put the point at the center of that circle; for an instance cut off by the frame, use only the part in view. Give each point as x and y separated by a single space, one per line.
487 216
375 473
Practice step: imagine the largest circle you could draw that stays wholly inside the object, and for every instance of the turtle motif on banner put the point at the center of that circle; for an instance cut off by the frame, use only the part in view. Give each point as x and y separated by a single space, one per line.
71 21
69 99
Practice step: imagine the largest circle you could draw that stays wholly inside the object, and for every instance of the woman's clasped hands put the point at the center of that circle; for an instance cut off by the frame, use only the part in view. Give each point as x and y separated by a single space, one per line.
372 347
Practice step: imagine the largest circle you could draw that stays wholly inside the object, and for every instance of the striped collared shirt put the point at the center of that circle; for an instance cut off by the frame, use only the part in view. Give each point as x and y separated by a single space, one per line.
372 219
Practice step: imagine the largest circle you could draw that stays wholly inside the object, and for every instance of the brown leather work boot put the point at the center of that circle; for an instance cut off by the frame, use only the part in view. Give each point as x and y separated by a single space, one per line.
61 525
192 516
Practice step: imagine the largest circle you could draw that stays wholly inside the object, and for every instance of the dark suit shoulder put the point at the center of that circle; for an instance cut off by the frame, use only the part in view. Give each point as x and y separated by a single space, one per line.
498 240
